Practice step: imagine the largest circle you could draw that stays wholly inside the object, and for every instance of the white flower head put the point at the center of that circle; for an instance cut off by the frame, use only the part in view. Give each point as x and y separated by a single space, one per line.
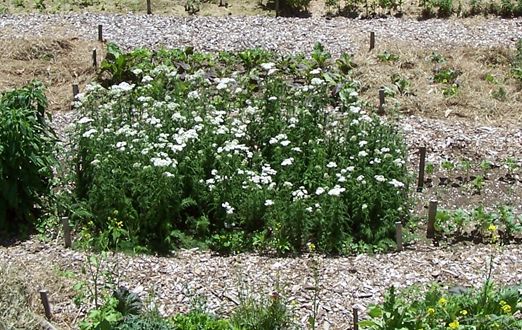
85 120
336 191
319 191
269 202
268 66
193 95
317 81
228 208
380 178
331 165
396 183
288 161
89 133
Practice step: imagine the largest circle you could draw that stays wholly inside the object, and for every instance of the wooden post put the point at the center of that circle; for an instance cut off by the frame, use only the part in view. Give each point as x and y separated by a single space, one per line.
100 33
45 303
66 232
372 40
381 101
75 90
398 235
355 319
432 215
94 59
422 163
277 7
149 7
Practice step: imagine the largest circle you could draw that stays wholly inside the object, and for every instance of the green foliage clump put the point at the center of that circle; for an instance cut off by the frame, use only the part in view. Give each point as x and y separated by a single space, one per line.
459 308
26 157
197 320
241 150
263 315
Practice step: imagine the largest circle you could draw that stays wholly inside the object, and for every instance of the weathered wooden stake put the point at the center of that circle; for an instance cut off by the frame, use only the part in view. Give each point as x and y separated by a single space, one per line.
75 90
381 101
372 40
45 303
432 214
277 7
94 59
422 164
100 33
66 232
398 235
149 7
355 319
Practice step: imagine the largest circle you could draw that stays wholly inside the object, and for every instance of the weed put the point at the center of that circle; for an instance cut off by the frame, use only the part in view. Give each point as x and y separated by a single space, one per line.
388 57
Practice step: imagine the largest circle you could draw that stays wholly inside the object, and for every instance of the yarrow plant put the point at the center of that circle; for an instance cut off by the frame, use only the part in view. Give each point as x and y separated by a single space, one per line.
219 146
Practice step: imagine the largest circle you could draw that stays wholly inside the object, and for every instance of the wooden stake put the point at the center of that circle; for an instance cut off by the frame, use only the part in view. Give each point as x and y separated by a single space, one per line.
422 163
277 7
45 303
100 33
149 7
372 40
66 232
75 90
398 235
432 215
355 319
381 101
94 59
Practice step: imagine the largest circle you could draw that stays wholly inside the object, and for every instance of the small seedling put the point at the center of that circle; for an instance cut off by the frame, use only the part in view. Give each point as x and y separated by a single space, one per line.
448 165
387 57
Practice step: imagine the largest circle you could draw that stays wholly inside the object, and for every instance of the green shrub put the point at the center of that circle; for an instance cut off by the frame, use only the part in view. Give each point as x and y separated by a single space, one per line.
273 156
26 157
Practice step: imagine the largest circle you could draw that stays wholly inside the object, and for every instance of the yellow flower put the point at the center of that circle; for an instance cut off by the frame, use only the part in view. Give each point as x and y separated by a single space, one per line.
311 247
431 311
454 325
492 228
464 312
442 301
506 309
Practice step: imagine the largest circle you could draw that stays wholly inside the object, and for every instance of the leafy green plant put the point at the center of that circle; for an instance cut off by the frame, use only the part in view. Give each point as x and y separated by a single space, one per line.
446 76
103 317
154 321
26 158
259 314
403 84
499 94
444 8
437 58
256 154
388 57
506 8
192 6
198 320
487 308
